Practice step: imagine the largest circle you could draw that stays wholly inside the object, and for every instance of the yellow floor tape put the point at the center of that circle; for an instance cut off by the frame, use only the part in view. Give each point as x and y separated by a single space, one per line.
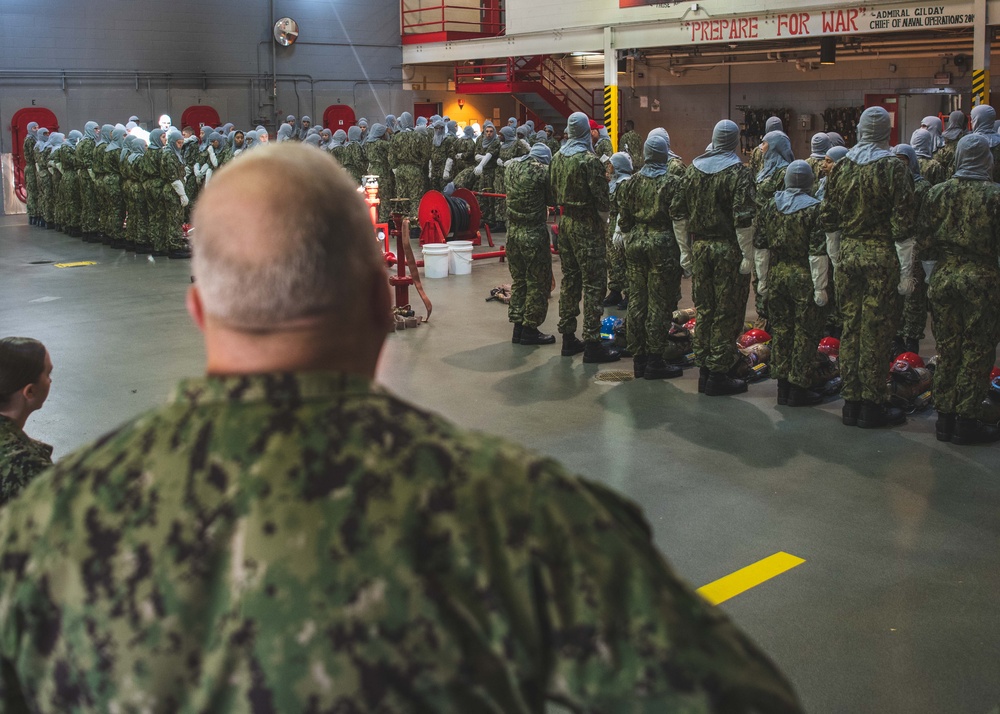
749 577
80 264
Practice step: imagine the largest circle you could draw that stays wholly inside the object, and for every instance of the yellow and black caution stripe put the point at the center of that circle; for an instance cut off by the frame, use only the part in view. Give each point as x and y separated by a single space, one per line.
611 113
980 87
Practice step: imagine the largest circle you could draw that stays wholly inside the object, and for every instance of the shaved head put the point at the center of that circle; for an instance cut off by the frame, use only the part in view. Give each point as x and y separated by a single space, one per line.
283 237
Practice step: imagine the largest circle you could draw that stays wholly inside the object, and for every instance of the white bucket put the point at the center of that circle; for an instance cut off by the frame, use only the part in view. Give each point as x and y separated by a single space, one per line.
435 260
460 257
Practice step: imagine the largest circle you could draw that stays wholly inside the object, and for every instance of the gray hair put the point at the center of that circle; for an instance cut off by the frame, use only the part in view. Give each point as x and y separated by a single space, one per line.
315 251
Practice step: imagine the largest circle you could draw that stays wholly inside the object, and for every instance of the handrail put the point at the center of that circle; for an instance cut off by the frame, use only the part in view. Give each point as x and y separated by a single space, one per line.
489 24
544 72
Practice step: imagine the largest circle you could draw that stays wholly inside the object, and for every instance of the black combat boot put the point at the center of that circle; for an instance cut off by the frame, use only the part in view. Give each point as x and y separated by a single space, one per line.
719 384
703 373
571 346
639 365
614 297
972 431
516 336
945 426
873 416
595 352
783 387
532 336
802 397
849 414
657 368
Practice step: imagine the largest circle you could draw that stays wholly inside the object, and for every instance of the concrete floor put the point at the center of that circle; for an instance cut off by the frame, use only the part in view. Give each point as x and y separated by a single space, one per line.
896 607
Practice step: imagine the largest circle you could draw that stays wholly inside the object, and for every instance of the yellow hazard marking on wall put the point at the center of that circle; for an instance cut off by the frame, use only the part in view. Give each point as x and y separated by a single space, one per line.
79 264
611 113
749 577
980 87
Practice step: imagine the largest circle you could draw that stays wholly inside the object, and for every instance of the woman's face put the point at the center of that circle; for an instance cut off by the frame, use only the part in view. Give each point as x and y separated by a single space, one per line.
828 165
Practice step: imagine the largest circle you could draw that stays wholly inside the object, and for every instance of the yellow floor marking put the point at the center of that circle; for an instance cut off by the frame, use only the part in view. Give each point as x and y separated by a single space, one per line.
80 264
749 577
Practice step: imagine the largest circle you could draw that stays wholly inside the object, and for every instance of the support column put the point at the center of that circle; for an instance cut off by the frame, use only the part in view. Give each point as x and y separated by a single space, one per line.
980 56
611 86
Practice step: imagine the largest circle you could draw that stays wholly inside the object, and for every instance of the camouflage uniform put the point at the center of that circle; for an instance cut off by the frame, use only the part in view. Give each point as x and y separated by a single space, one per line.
353 159
756 161
715 205
439 157
872 204
933 170
766 188
603 149
43 184
577 184
114 210
21 459
68 198
58 208
964 222
617 276
945 156
528 255
464 153
631 143
409 153
169 234
796 322
293 543
377 155
137 222
507 153
89 216
652 260
30 187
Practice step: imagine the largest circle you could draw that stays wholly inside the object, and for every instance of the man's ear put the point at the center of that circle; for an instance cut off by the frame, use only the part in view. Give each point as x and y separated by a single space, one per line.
194 307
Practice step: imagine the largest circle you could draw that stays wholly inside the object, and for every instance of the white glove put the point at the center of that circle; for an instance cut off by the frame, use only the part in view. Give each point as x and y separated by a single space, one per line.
178 187
479 157
833 247
617 238
500 162
928 266
744 237
819 266
187 170
458 156
430 168
59 167
762 259
483 160
684 243
904 252
605 158
448 165
93 177
208 175
211 156
185 201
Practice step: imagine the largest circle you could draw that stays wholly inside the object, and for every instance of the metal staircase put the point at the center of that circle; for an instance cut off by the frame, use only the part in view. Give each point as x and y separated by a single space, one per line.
544 88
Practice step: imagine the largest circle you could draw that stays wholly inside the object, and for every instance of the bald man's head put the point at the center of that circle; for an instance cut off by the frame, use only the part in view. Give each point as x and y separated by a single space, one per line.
283 237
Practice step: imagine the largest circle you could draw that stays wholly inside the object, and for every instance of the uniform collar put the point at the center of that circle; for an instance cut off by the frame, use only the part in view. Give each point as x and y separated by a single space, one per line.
270 387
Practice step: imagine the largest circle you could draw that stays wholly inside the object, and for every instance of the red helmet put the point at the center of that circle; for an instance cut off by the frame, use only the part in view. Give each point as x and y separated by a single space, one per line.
830 346
689 325
753 337
906 360
994 373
